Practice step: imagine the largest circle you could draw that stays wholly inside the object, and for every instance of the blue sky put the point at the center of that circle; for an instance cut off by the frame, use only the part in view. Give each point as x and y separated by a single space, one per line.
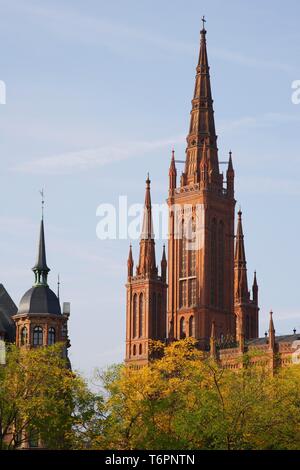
97 94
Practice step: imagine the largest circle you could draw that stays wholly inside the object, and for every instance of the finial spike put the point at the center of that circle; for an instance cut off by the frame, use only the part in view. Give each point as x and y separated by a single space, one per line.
58 285
43 201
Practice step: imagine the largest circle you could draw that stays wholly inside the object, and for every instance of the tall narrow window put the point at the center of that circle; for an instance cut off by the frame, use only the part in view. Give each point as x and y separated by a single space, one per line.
214 265
192 250
134 319
51 336
187 281
37 336
192 292
192 326
182 328
154 315
221 261
141 315
183 294
24 335
159 325
183 243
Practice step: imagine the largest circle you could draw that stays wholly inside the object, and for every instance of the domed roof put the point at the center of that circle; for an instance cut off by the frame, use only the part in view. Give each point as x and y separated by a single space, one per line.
39 299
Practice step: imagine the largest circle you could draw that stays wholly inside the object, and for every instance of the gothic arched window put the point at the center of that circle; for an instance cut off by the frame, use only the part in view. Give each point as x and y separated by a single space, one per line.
154 315
134 320
51 336
134 350
37 336
24 335
221 260
192 326
141 315
182 328
158 316
64 331
140 349
214 263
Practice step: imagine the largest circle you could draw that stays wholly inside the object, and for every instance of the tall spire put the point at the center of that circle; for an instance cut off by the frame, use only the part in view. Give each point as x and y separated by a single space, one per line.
147 262
163 264
40 268
271 332
240 264
130 263
213 341
230 176
255 290
172 172
202 123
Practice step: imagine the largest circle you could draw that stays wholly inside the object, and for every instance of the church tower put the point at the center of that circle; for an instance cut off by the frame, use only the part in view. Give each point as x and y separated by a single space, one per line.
39 320
201 227
146 294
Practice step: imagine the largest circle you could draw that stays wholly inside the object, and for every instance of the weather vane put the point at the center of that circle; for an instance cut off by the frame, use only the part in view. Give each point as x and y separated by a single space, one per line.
43 201
203 21
58 285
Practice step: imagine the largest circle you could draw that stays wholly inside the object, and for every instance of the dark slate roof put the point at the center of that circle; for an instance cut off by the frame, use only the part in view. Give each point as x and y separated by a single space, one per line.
7 310
278 339
39 299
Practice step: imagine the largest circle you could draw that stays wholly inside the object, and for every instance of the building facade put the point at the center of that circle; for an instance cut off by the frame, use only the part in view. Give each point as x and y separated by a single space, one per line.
206 286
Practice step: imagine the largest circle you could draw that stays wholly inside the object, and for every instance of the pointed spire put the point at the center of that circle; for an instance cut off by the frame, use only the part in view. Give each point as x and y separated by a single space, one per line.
213 341
255 290
147 262
230 165
164 265
58 286
130 263
271 332
240 265
147 229
202 123
172 172
230 177
40 268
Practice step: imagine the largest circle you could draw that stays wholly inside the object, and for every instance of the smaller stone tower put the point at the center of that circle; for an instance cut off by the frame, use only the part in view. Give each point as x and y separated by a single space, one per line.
246 309
39 320
146 294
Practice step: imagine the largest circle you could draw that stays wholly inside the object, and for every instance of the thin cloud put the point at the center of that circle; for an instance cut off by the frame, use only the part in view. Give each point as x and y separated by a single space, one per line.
69 23
91 158
253 62
264 120
269 185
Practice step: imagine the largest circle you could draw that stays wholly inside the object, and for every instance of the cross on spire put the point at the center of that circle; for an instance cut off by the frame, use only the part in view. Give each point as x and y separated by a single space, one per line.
203 21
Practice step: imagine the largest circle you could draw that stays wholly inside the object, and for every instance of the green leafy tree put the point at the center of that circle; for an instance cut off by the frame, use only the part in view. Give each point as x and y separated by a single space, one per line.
42 397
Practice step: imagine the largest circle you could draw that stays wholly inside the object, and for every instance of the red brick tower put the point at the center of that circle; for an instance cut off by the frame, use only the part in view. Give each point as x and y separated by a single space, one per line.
146 294
201 278
246 310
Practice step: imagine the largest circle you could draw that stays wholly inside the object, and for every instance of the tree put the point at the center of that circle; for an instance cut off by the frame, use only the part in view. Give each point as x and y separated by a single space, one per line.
184 400
40 397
